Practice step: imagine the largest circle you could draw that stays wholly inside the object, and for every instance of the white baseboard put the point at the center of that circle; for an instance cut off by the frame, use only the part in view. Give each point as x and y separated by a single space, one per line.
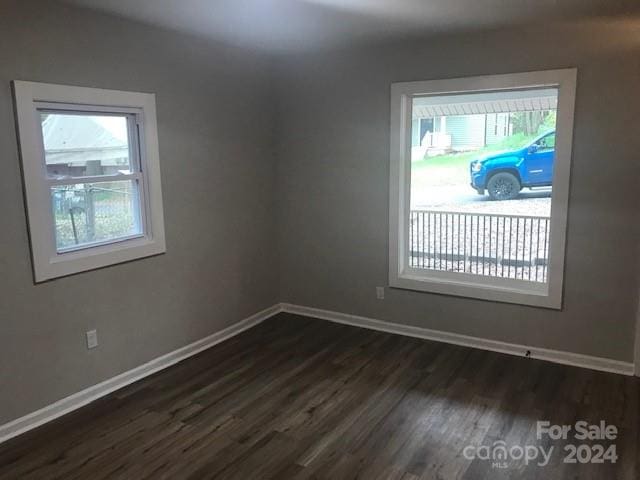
556 356
637 353
84 397
88 395
636 356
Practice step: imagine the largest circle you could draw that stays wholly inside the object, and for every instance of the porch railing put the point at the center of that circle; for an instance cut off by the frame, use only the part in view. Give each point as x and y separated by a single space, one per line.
436 140
506 246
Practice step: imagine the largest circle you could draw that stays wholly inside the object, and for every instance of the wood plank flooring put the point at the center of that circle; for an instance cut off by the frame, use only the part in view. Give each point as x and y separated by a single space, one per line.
296 398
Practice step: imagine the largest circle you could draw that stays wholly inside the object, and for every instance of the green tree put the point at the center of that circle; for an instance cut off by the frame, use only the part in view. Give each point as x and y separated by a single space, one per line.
531 123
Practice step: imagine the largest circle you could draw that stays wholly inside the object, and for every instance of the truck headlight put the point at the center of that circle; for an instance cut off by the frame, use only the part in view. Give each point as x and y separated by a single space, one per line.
476 166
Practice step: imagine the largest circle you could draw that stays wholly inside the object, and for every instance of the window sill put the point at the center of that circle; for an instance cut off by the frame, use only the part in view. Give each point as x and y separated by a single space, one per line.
69 263
507 291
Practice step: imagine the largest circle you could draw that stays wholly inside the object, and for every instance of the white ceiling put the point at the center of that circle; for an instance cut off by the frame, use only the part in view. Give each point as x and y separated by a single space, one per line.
298 25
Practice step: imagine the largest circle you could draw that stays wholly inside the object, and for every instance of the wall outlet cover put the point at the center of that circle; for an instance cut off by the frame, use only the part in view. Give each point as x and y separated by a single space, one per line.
92 339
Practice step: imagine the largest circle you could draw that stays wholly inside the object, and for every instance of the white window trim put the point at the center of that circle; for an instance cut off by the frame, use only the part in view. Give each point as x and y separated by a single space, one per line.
498 289
47 262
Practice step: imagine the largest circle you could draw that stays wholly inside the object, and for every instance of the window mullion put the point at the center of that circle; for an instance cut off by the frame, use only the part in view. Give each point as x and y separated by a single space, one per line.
53 182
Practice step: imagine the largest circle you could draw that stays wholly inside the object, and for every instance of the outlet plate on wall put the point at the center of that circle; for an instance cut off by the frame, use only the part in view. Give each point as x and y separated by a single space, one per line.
92 339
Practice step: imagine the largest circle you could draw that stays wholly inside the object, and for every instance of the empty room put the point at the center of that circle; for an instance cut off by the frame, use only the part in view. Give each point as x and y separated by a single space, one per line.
319 239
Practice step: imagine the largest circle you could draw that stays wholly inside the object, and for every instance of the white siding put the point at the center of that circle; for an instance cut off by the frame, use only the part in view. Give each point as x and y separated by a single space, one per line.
467 131
497 127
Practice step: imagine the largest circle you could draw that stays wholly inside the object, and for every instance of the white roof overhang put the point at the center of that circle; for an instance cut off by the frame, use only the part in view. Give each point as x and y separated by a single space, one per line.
486 102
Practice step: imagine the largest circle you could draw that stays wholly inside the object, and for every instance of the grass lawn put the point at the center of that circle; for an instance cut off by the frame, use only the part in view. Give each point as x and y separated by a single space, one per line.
457 160
452 160
453 168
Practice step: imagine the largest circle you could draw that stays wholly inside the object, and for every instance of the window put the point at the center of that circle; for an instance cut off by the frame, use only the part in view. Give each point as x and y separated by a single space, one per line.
91 175
546 143
482 213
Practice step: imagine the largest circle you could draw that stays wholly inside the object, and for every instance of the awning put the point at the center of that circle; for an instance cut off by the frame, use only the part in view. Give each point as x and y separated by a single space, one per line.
486 102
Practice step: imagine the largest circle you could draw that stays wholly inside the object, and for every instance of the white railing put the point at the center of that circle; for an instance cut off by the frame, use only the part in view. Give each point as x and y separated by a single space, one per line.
436 140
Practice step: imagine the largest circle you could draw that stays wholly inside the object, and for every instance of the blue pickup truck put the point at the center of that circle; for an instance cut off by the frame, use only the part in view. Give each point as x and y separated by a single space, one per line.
504 174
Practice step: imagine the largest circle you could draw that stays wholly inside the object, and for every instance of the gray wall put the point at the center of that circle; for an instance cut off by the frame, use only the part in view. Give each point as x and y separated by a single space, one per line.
215 130
279 180
333 153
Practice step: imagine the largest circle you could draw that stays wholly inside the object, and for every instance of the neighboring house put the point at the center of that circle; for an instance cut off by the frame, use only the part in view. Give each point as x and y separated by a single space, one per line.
79 145
459 132
497 127
442 124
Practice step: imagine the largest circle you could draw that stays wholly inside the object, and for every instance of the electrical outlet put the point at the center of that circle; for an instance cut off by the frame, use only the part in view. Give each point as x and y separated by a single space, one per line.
380 293
92 339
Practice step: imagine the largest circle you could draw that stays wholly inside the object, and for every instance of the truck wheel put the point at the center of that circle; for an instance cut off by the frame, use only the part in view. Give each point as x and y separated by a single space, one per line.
503 186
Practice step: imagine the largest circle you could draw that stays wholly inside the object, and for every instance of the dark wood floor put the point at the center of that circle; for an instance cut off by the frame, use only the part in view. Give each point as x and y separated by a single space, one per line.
300 398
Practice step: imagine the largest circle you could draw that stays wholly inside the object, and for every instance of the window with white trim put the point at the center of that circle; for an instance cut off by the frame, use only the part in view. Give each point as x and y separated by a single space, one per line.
91 176
478 206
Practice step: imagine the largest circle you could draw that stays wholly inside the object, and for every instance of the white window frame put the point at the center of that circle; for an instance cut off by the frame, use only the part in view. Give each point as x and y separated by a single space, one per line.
468 285
140 109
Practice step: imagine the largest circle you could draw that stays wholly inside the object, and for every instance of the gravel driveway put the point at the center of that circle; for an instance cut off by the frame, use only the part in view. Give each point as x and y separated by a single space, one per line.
534 203
462 198
447 189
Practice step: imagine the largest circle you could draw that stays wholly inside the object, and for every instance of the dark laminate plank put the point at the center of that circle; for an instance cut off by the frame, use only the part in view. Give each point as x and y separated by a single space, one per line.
306 399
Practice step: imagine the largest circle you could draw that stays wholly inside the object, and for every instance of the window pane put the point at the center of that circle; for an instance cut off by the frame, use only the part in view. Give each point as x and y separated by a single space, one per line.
87 213
481 182
78 145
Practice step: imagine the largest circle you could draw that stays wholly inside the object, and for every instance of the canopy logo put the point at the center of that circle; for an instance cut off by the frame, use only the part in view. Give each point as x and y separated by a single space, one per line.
500 455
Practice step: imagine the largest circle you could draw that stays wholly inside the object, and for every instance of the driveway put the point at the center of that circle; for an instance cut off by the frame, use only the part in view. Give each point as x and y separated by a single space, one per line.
462 198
